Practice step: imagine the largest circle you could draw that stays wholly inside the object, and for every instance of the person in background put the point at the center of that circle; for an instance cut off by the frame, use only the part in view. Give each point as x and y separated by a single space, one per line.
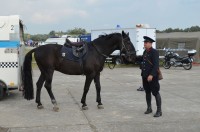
149 73
140 88
139 61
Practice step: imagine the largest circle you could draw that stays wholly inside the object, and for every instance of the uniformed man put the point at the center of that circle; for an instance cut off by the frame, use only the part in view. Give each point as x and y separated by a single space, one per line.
149 68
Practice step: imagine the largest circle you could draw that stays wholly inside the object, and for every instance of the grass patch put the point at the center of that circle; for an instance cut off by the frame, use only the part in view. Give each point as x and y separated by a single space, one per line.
121 65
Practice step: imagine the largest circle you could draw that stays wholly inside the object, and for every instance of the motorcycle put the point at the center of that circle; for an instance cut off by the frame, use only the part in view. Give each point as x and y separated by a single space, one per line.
173 59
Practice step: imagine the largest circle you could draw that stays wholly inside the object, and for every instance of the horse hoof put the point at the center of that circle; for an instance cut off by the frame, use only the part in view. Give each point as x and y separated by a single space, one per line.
100 106
55 108
40 107
84 108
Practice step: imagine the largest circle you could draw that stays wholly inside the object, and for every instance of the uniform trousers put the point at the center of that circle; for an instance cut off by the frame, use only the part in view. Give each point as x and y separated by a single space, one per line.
152 86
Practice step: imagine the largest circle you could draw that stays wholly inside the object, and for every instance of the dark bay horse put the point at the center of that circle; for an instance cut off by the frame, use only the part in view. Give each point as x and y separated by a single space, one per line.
49 58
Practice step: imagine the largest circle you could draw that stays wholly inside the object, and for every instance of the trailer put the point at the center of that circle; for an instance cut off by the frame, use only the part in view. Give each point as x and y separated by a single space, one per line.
11 53
136 35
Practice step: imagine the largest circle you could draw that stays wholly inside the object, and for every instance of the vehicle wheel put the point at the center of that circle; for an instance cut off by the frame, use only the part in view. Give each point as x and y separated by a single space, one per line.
118 61
124 61
2 89
1 92
166 64
21 88
187 66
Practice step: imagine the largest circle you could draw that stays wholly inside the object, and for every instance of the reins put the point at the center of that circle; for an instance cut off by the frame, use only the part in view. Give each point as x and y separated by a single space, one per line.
102 55
99 51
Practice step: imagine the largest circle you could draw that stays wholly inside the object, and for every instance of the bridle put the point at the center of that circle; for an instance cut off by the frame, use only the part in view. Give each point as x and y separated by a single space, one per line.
127 48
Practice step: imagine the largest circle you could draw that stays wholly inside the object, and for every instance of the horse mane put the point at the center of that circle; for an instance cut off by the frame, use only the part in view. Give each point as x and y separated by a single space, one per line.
107 36
67 41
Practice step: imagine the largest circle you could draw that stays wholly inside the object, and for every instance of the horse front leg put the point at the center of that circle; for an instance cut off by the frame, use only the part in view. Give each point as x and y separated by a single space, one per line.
86 89
98 91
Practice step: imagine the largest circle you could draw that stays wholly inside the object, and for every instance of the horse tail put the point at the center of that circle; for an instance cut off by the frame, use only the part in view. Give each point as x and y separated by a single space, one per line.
27 76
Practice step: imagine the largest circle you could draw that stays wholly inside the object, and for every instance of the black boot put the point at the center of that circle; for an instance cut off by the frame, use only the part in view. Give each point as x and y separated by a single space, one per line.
148 100
149 110
158 103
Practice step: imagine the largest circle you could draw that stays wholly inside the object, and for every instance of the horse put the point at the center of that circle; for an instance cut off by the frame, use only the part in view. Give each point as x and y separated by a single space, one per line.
49 58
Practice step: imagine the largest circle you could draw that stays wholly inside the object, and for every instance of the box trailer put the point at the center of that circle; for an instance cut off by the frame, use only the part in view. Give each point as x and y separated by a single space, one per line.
136 36
11 53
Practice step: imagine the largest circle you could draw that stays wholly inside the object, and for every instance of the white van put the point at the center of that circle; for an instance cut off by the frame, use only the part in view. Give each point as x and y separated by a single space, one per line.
55 40
61 40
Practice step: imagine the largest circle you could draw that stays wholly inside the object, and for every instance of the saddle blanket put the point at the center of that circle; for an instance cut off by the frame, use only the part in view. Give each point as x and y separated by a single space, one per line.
73 53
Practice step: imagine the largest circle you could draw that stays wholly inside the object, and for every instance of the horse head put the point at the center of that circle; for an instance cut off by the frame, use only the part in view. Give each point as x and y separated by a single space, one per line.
127 48
106 44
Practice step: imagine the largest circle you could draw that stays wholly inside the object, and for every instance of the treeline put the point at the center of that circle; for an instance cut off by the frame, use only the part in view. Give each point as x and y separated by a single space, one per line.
191 29
43 37
80 31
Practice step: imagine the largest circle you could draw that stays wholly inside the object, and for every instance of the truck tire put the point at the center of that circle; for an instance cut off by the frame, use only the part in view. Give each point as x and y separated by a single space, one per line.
2 89
118 61
1 92
124 61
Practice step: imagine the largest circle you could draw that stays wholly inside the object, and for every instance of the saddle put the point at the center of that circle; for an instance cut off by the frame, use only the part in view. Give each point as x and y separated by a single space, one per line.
74 51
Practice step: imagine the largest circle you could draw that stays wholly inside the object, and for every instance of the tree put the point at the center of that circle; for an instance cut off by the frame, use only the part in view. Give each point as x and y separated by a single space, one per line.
195 28
191 29
27 36
77 31
52 33
168 30
39 37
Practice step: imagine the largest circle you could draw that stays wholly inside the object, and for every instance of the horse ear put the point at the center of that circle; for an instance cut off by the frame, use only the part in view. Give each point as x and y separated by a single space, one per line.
123 33
128 33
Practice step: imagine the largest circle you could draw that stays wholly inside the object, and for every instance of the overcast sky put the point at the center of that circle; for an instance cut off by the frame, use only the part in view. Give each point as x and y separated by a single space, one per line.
43 16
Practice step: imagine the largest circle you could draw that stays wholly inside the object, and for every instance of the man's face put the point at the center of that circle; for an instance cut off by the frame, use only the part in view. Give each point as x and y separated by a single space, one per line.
147 45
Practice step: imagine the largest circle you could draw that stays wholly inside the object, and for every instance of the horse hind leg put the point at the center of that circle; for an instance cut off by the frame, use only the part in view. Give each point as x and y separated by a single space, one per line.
53 100
98 91
48 87
39 84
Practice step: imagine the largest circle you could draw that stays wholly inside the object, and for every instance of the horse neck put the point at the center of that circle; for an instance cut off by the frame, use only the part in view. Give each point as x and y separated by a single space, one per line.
106 46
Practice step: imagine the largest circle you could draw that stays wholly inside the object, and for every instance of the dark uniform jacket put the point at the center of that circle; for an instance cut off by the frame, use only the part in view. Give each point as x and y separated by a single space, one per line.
150 56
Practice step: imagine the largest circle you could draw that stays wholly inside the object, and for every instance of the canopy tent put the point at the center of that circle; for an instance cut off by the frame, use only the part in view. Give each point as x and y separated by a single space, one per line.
180 42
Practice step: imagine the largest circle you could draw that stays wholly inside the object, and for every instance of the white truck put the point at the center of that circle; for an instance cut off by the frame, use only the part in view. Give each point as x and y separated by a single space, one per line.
136 35
11 53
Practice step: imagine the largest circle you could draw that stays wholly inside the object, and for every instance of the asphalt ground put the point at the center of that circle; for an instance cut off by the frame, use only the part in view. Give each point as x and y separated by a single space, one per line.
124 106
